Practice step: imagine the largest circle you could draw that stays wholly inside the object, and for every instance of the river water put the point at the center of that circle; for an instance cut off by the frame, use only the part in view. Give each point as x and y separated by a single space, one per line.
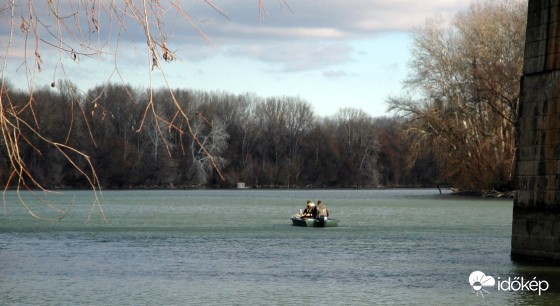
238 247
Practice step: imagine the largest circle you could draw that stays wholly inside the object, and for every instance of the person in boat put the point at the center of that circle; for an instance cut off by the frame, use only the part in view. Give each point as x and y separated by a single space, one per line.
322 212
310 210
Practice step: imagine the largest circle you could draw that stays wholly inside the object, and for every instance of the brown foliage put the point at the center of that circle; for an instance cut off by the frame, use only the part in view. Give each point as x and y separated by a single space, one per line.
465 83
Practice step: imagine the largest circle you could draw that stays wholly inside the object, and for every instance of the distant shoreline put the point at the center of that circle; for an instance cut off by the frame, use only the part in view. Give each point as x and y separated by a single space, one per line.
453 191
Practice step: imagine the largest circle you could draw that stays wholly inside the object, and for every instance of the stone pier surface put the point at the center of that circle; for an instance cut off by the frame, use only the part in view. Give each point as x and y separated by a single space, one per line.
536 209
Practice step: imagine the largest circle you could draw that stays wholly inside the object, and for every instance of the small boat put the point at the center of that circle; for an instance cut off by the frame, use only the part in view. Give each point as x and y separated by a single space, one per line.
297 220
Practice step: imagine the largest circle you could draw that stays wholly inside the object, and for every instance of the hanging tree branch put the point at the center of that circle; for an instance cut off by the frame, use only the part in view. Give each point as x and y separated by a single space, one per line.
42 36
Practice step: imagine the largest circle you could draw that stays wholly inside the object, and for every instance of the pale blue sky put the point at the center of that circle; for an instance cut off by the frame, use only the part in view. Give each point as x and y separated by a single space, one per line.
333 54
374 70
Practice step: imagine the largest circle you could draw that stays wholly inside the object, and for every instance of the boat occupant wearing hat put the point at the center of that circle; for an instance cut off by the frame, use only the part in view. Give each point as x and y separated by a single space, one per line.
309 211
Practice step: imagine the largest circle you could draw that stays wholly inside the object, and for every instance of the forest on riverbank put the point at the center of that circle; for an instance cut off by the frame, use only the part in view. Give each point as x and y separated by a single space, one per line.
263 142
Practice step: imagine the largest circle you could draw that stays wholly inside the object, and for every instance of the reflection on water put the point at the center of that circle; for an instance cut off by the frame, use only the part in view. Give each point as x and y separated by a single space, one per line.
238 247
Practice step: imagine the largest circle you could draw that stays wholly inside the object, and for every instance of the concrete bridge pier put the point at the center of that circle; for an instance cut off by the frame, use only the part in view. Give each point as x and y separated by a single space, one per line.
536 209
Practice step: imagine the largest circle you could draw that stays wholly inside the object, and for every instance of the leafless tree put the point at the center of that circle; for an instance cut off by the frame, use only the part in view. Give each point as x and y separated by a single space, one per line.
464 90
283 123
355 131
40 36
209 140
